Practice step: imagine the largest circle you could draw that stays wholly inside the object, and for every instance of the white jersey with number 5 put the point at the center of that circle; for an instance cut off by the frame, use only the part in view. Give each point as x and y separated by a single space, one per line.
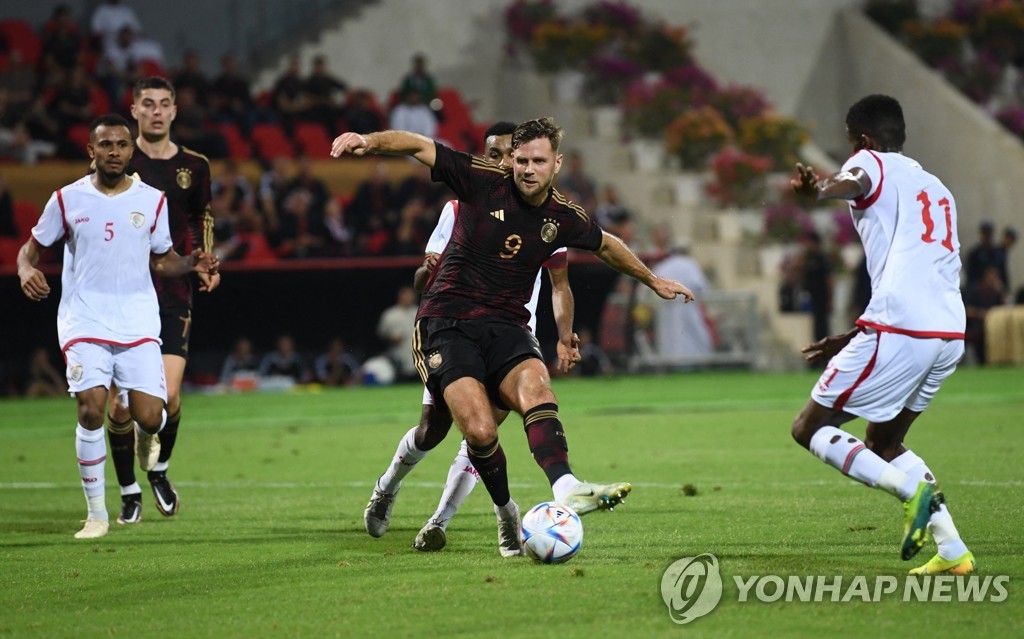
107 293
908 226
443 232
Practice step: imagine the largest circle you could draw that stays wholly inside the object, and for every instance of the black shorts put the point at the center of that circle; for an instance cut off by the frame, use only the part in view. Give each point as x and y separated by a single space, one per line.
175 329
445 350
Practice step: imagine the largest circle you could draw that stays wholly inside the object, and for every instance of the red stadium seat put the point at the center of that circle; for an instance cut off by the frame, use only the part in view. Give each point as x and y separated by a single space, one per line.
78 135
100 101
22 38
9 247
271 141
238 148
153 68
26 214
312 139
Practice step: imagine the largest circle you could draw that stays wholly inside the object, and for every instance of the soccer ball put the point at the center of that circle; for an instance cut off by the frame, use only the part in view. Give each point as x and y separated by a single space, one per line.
552 532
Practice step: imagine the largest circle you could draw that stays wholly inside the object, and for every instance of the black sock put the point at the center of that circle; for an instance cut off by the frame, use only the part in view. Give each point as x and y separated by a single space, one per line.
546 437
168 435
122 449
489 461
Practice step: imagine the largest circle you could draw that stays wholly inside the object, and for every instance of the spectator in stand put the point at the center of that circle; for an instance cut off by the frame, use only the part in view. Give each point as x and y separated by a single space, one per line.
413 230
232 199
336 366
71 105
396 327
683 332
231 95
411 114
61 41
361 115
816 277
300 231
306 181
190 76
190 126
614 217
981 296
576 185
284 361
123 63
616 333
16 142
288 96
18 79
1002 255
419 80
108 20
373 200
338 238
982 255
43 378
274 184
325 95
241 360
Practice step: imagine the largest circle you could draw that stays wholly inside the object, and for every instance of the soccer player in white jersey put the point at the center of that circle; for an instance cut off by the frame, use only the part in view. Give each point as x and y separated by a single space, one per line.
908 340
434 424
114 230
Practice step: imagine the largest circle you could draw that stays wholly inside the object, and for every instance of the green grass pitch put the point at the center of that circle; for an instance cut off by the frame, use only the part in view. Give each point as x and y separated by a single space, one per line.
269 541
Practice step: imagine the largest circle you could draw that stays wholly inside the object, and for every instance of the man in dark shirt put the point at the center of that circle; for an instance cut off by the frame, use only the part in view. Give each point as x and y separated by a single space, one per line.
471 343
184 176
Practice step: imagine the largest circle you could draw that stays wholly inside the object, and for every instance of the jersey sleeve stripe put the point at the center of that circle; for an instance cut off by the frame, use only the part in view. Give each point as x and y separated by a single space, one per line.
862 203
484 165
159 208
63 213
576 208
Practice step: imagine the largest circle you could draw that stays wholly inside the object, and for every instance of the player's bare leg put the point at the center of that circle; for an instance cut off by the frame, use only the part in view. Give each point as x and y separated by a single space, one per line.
91 451
527 389
471 409
816 429
163 490
887 441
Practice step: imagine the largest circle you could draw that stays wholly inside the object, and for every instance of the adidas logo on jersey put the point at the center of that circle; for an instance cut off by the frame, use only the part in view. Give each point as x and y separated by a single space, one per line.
500 214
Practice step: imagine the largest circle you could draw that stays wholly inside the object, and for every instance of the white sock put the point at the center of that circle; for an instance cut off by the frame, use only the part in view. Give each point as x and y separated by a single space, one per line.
941 526
506 511
161 466
406 457
91 448
134 489
462 478
563 486
850 456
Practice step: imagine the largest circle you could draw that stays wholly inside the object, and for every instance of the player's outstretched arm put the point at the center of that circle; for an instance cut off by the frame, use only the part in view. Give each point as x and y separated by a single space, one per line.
394 142
33 282
616 254
846 185
564 306
170 264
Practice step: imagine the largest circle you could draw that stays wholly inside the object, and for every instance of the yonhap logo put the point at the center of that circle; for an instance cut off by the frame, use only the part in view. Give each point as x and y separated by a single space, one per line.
691 587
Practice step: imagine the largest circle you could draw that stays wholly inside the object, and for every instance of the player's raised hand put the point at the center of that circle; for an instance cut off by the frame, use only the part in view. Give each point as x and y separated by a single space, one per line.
670 289
33 284
806 181
349 143
568 348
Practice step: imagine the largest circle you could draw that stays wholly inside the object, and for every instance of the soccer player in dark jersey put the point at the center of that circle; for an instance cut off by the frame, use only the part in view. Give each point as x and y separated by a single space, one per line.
471 345
184 176
434 422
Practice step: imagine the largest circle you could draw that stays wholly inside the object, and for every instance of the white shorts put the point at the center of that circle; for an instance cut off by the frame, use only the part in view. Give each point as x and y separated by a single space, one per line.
428 399
879 374
139 368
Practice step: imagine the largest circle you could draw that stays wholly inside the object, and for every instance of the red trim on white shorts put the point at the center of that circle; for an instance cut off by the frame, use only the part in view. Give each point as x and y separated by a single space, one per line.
882 328
96 340
845 395
862 203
